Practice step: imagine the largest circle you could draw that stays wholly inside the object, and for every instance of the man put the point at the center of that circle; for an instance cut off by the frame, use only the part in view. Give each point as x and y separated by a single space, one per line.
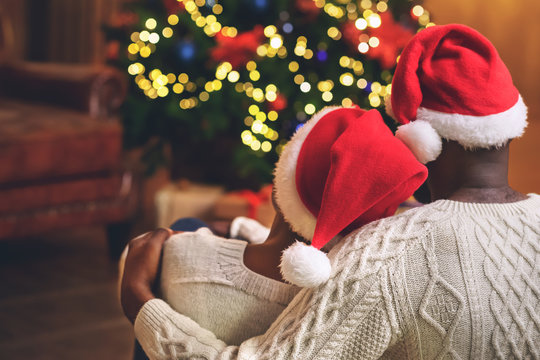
457 278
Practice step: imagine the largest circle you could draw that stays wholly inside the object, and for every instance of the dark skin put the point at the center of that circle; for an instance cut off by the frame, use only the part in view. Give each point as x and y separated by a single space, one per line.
479 176
142 266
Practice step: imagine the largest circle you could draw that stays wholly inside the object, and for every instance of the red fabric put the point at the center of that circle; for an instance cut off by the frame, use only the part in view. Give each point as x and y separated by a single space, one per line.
238 50
351 170
254 199
452 69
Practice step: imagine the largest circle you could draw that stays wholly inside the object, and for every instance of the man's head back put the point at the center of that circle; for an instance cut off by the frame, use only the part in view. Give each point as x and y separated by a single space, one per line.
451 84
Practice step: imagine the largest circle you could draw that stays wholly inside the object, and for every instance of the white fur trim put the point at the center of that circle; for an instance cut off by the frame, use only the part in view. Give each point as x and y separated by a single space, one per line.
422 139
305 266
478 131
295 213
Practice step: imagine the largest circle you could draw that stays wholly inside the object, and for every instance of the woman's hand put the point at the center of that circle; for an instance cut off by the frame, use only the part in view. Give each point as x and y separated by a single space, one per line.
141 270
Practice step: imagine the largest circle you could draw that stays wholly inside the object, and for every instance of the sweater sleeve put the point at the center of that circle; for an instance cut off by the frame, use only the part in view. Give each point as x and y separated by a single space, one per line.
165 334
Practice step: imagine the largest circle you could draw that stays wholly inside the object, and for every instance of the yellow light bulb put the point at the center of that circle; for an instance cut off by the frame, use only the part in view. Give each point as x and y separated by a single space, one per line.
276 42
172 19
346 79
233 76
310 109
167 32
150 24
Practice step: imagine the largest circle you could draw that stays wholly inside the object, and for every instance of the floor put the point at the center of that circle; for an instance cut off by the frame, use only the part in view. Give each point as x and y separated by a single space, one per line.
58 299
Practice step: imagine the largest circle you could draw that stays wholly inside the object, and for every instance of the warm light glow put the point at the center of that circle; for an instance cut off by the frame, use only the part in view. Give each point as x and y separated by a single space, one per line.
334 33
305 87
272 115
276 42
417 10
374 100
150 24
293 66
163 91
361 83
361 24
382 6
144 35
153 38
254 75
145 52
258 95
251 65
310 109
346 102
266 146
255 145
374 42
363 47
178 88
327 96
217 9
233 76
374 20
346 79
167 32
183 78
133 49
298 79
270 30
366 4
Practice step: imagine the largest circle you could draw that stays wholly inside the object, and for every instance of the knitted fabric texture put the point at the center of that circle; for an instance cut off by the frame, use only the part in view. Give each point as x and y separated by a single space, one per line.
446 280
203 276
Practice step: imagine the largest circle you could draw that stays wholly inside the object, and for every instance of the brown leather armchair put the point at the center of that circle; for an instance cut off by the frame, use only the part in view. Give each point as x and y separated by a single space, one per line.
61 159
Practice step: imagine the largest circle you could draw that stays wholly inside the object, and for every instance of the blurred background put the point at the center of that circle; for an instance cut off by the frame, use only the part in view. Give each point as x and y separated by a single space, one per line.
117 116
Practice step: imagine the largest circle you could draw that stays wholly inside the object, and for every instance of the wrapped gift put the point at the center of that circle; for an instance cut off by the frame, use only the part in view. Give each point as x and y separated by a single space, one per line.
255 205
186 199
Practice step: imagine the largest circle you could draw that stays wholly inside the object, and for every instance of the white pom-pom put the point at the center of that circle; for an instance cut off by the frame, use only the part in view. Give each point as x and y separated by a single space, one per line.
422 139
305 266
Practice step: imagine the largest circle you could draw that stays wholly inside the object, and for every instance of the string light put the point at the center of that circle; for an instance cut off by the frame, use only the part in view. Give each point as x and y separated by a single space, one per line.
259 136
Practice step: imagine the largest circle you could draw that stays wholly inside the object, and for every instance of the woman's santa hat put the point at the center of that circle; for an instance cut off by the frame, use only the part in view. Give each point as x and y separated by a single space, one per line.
451 83
342 169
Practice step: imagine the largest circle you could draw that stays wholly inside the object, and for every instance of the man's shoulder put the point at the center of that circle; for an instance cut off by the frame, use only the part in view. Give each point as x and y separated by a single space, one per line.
383 241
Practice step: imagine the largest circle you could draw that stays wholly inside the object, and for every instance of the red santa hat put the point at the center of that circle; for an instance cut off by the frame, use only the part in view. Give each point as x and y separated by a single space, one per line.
451 83
342 169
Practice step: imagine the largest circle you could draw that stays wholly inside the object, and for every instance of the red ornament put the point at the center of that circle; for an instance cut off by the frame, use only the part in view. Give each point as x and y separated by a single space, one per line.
237 50
393 37
309 8
279 104
173 6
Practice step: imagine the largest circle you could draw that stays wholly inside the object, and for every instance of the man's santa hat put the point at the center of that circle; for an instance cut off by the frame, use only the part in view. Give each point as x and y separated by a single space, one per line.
342 169
451 83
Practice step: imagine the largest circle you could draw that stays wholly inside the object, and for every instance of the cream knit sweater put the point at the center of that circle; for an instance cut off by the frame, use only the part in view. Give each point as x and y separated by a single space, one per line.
203 276
449 280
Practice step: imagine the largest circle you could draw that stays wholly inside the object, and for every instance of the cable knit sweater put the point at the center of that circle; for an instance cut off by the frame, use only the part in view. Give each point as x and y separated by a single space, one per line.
203 276
447 280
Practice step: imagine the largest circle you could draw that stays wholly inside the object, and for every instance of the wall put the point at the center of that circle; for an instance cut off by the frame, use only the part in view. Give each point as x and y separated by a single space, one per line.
514 29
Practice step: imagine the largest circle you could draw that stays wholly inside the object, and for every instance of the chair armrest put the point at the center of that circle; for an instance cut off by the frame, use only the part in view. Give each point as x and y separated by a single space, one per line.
96 90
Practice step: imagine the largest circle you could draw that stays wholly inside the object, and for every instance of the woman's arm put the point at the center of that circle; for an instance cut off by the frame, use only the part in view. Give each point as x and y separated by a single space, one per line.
317 322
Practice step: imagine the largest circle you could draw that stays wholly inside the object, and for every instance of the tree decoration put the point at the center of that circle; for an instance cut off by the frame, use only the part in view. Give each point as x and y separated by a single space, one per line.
226 83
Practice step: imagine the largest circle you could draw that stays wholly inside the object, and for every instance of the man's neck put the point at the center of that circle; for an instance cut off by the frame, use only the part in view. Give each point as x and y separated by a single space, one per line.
479 176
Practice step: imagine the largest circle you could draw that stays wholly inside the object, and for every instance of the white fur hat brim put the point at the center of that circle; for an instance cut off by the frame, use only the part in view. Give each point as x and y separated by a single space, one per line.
423 135
293 209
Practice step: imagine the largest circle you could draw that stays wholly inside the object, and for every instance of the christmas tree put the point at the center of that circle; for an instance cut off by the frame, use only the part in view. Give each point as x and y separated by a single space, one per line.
225 84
